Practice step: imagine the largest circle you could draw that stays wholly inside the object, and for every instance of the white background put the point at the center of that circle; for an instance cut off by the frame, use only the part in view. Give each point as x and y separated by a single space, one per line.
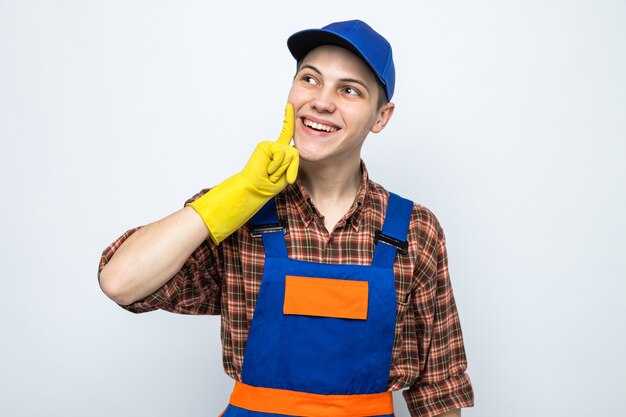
510 126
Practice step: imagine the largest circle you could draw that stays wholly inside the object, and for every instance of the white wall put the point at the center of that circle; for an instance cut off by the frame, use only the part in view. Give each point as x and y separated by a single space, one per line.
510 126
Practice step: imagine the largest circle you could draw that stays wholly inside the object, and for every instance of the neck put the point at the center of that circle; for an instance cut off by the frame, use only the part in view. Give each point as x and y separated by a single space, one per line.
325 182
332 188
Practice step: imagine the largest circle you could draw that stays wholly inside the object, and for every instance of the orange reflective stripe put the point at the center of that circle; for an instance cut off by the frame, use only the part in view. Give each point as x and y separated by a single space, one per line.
296 403
325 297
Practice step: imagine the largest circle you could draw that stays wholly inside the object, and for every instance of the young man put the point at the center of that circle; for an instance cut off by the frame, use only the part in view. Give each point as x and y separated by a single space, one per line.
332 291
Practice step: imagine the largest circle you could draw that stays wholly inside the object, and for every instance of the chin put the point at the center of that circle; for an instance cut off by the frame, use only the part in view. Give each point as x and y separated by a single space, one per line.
307 153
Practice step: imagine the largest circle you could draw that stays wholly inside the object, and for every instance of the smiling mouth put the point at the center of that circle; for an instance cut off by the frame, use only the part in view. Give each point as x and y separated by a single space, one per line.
319 126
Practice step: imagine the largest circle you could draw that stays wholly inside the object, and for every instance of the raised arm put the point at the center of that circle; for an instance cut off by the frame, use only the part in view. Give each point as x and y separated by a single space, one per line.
152 255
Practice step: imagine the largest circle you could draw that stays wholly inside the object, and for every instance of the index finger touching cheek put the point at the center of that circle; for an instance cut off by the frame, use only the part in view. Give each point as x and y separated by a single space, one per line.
287 133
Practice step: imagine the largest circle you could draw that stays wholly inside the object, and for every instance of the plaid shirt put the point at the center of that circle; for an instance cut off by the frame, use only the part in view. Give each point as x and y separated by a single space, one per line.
428 355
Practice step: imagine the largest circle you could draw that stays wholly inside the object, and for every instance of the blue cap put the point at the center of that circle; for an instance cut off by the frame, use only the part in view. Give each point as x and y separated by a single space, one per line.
356 36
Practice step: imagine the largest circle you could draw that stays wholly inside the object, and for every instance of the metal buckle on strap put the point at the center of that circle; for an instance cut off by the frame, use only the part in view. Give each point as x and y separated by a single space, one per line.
257 231
403 247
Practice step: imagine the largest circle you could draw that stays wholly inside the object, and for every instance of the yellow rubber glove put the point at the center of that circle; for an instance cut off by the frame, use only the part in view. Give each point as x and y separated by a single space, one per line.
273 165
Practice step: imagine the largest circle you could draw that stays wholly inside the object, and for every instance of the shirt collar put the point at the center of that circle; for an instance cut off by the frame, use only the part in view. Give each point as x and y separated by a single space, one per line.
301 200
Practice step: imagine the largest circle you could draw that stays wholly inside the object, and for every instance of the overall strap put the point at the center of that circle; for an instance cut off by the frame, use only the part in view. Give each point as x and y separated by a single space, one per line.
393 236
265 224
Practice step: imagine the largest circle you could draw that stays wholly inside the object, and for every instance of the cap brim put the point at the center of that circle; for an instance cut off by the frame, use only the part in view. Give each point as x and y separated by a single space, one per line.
303 42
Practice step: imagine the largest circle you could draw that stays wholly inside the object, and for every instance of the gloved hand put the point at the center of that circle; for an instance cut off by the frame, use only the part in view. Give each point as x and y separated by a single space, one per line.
273 165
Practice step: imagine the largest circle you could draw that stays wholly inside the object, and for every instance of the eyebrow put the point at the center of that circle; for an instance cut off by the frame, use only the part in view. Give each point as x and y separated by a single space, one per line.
345 80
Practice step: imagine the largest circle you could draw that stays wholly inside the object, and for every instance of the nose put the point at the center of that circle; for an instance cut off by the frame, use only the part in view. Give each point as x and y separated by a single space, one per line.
324 100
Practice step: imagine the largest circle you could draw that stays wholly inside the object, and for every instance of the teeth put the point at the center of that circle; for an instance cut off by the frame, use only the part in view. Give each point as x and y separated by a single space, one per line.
319 126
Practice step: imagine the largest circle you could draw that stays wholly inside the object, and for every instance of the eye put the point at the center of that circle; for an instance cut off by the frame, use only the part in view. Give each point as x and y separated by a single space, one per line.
351 91
309 79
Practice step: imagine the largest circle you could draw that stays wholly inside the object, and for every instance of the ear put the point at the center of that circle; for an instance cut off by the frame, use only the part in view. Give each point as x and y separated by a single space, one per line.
384 115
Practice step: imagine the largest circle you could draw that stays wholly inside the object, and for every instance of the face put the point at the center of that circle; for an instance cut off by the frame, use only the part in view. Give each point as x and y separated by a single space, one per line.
335 99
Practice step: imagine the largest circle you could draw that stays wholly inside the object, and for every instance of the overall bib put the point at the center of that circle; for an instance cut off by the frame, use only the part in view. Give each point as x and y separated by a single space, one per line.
321 338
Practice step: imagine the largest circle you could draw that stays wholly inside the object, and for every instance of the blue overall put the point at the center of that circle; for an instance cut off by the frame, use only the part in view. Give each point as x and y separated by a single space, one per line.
323 355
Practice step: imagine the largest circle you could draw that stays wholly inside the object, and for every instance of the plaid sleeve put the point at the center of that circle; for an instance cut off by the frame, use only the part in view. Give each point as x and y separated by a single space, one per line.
443 384
195 289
